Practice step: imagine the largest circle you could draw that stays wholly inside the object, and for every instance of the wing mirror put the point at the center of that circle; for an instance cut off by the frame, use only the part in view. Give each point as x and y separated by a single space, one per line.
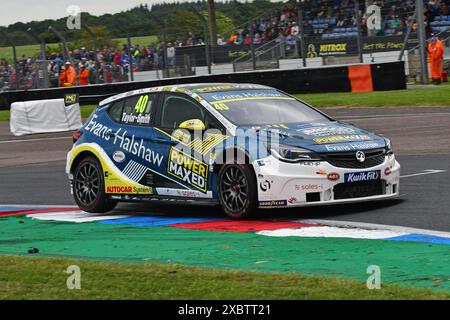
193 125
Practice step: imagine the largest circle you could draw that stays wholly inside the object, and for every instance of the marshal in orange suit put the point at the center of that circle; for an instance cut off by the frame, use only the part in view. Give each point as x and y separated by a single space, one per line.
435 57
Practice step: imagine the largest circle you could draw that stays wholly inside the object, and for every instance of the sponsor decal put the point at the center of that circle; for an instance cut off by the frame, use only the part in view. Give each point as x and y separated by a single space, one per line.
387 171
273 203
333 176
342 138
118 156
292 200
362 176
309 164
188 169
277 126
71 99
136 147
265 185
309 187
136 119
333 48
182 135
263 162
183 193
326 131
214 88
128 190
321 172
353 146
98 129
239 96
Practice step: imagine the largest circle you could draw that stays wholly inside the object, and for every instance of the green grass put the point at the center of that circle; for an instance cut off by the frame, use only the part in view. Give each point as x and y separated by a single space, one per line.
142 41
428 96
33 50
86 111
45 278
4 115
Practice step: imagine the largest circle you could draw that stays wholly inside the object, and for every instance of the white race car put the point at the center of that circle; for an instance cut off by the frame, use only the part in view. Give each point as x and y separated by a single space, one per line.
243 146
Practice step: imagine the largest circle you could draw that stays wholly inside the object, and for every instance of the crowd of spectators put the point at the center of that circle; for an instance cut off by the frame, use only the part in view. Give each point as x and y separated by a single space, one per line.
337 19
107 65
24 77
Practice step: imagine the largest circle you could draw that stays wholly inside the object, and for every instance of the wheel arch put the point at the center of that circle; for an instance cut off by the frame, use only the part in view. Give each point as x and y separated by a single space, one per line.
79 157
237 150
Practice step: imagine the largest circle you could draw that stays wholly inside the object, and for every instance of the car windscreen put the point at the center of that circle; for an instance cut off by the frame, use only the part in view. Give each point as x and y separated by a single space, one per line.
261 107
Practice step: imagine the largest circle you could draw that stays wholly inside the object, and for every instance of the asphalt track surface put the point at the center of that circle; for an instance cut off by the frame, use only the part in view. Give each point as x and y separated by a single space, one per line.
32 172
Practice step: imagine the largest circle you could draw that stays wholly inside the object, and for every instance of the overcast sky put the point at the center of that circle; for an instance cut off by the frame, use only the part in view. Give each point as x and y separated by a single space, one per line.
12 11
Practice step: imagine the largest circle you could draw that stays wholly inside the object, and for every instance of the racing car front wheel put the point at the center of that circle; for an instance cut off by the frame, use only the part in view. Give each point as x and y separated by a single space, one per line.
89 187
237 190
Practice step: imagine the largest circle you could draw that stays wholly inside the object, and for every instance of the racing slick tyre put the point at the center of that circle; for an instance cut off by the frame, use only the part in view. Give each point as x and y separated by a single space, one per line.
237 191
89 187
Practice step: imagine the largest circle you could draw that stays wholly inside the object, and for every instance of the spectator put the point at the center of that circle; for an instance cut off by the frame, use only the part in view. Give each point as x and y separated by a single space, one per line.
247 40
70 76
62 77
84 76
170 55
436 55
257 39
220 40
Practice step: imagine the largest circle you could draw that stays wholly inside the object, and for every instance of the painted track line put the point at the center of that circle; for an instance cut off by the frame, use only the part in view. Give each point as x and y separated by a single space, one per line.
33 140
374 226
424 173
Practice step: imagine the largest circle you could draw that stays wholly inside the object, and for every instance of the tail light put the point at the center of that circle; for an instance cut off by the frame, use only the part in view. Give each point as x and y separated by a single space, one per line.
76 135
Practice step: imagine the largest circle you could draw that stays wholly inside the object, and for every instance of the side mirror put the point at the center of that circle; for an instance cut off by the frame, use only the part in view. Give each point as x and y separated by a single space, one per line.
193 125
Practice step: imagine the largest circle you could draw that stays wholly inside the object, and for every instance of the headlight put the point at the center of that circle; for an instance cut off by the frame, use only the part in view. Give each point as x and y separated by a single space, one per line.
292 154
389 150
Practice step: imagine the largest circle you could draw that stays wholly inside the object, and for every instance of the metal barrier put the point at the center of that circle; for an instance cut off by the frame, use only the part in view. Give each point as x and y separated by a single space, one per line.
387 76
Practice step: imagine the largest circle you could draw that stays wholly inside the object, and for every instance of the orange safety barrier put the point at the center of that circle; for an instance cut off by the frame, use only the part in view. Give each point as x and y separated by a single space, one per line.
360 78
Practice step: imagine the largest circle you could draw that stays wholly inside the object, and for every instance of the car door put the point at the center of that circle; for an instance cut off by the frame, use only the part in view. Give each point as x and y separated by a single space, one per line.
186 166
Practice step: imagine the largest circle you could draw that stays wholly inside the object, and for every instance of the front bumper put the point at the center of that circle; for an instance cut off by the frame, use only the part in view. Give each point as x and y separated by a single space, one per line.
314 183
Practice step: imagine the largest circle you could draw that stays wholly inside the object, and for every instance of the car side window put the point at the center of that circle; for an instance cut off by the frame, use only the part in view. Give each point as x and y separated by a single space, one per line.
213 123
176 109
137 110
115 111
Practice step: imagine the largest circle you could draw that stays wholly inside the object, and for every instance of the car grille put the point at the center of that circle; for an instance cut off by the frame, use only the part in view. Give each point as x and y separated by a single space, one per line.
348 160
359 189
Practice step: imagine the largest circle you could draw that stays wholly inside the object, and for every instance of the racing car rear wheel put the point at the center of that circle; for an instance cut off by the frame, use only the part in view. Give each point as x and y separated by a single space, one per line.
237 191
89 187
